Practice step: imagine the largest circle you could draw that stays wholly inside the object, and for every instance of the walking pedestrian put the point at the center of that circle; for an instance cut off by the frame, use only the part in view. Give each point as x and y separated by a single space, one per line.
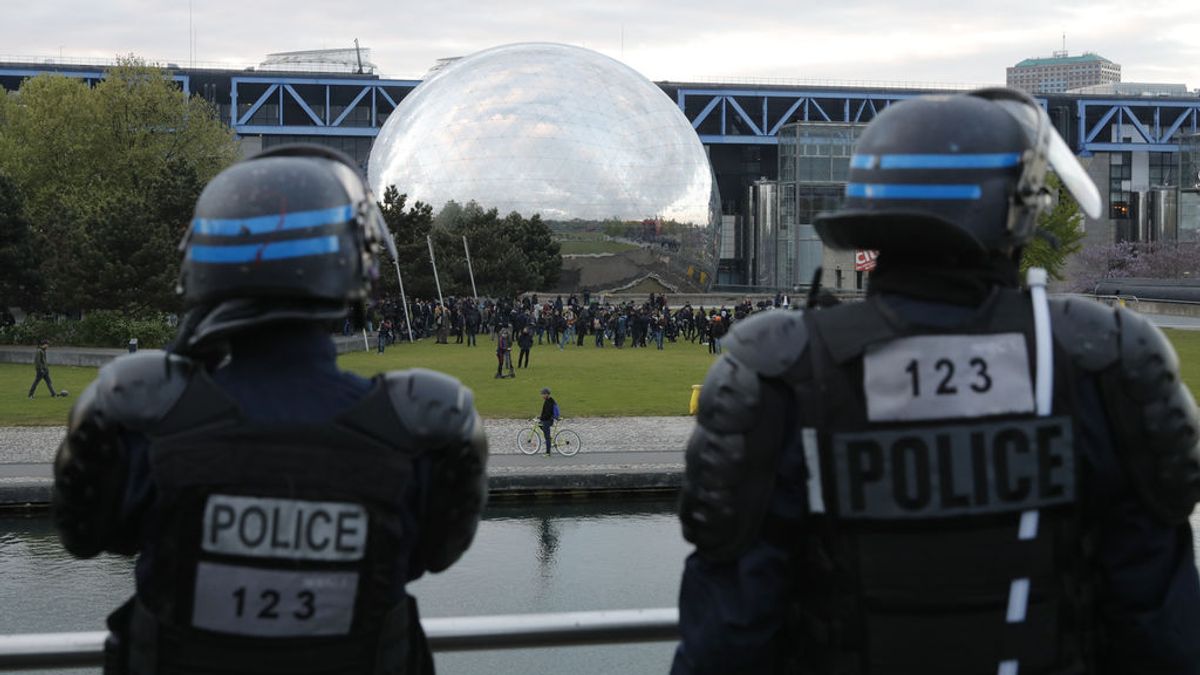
42 368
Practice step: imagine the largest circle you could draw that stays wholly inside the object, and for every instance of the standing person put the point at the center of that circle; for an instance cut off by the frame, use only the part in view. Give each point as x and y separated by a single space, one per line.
548 416
441 319
525 342
567 333
381 336
504 355
278 505
473 319
717 330
501 350
42 369
956 475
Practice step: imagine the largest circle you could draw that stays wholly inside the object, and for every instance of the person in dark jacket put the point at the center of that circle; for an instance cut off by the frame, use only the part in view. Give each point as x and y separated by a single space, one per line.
957 474
504 355
278 506
42 369
548 416
525 342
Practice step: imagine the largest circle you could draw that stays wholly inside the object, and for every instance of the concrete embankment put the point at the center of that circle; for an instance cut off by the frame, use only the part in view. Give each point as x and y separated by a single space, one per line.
619 454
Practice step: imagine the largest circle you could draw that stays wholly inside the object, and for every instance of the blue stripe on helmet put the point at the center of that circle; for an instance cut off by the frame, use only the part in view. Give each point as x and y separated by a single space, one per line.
862 161
273 250
909 191
234 227
957 161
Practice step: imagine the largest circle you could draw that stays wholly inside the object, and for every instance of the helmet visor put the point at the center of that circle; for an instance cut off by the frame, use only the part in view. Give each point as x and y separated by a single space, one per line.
1054 150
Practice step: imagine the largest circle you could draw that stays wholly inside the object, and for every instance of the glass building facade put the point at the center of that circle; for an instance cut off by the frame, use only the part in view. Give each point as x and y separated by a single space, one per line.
1189 188
814 164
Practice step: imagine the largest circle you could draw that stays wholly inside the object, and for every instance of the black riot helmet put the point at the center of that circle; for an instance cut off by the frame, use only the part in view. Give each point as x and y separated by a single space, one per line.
963 175
295 225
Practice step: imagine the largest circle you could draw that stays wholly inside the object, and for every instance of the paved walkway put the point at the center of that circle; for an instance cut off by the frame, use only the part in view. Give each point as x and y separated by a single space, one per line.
1180 322
617 453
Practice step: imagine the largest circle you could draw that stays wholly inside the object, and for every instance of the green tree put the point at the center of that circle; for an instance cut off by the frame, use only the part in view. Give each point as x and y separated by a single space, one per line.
409 227
1062 224
20 281
509 255
542 253
110 174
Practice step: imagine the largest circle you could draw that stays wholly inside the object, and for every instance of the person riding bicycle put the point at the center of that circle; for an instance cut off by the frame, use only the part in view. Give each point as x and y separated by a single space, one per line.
549 415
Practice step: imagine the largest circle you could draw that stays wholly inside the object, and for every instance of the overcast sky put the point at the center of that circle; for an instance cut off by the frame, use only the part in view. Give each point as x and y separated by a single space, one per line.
968 41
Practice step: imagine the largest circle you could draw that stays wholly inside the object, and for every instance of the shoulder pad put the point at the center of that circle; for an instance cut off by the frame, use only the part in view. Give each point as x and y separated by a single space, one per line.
769 343
730 397
134 391
1148 361
1085 330
1157 420
435 408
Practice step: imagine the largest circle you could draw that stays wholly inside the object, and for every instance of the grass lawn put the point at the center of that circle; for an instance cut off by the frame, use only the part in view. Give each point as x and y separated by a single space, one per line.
586 381
17 410
1187 345
577 246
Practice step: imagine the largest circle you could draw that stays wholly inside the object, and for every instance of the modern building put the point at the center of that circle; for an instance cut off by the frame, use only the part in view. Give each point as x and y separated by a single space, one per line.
1137 144
1189 188
1061 73
814 165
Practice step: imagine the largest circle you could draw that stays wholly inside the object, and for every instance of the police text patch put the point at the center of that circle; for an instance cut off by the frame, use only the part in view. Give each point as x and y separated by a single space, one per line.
947 376
273 603
951 471
292 529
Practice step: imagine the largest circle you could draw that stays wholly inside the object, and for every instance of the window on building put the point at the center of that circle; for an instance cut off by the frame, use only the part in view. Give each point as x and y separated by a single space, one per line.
1120 171
1162 169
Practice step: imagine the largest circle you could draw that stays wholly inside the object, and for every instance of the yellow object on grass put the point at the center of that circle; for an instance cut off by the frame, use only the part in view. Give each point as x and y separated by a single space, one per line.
695 404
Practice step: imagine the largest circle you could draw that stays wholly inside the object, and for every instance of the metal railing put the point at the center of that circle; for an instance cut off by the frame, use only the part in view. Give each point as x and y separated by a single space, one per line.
1117 299
508 631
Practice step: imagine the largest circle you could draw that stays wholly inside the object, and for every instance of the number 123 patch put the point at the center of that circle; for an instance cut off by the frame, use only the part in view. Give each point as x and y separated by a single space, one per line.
947 376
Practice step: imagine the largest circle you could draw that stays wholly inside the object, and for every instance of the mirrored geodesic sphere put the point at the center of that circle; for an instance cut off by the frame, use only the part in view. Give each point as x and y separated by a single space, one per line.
579 138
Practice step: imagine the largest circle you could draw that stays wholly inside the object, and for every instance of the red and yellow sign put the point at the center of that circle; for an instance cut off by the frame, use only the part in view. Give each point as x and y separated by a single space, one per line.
864 261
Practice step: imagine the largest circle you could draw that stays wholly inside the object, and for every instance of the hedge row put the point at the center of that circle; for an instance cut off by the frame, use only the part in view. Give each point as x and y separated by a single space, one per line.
101 328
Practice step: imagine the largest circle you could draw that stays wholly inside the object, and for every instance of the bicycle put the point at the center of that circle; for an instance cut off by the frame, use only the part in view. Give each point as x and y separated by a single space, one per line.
565 441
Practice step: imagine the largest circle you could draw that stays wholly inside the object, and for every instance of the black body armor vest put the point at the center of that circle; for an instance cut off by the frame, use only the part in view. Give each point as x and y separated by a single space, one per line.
277 549
945 531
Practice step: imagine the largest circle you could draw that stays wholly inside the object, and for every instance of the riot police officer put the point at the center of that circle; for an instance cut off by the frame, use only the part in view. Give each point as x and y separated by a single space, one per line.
279 505
954 475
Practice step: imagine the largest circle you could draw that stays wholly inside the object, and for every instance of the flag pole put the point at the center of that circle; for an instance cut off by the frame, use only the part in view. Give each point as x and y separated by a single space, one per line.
470 271
433 261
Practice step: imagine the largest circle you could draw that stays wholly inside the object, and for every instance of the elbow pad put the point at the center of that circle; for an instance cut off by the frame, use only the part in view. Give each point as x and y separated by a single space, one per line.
440 414
89 481
733 452
129 394
1157 420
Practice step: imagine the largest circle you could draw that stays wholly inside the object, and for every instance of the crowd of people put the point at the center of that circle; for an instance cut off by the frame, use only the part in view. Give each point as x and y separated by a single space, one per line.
579 320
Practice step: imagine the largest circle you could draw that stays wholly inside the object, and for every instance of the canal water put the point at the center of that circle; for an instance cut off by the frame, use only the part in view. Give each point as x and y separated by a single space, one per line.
527 558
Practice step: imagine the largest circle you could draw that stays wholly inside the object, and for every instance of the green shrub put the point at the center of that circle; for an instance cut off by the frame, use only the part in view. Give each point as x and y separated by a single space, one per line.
101 328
